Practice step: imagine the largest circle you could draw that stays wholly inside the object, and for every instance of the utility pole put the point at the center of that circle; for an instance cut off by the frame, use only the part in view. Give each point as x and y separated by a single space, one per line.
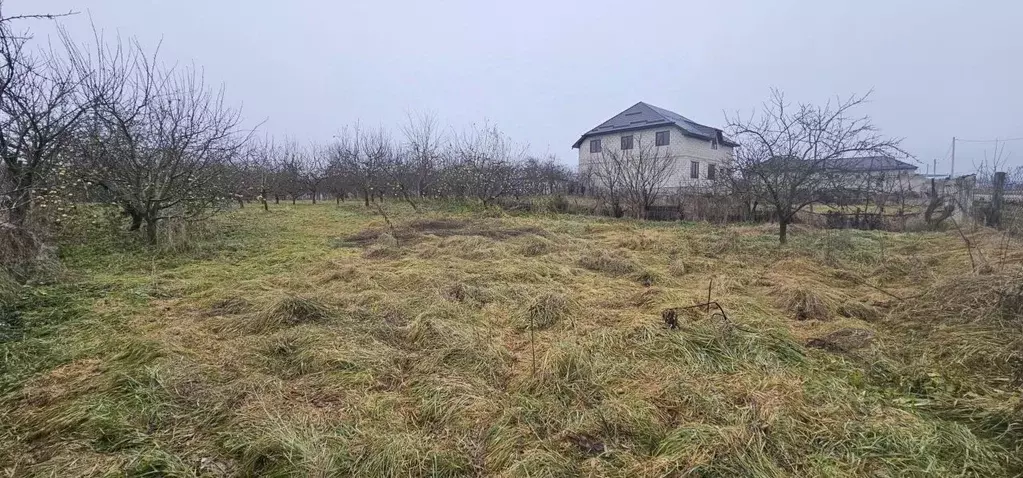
934 168
953 173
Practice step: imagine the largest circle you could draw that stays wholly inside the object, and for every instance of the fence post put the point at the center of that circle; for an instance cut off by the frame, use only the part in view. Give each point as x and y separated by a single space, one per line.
995 215
964 190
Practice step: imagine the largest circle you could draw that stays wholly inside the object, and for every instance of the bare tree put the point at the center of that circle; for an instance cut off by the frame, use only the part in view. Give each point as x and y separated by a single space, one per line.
543 176
421 153
786 152
290 170
40 106
242 177
262 155
155 137
606 181
375 152
361 156
338 181
315 170
486 160
645 169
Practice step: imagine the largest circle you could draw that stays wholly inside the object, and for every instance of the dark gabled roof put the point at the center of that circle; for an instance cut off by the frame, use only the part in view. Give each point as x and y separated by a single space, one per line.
870 163
861 164
642 116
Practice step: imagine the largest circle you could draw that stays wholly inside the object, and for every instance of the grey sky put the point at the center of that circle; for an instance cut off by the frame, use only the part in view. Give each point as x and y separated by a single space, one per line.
547 71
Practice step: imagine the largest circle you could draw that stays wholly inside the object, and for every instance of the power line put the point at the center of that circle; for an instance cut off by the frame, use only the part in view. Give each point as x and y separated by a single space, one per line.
996 140
946 153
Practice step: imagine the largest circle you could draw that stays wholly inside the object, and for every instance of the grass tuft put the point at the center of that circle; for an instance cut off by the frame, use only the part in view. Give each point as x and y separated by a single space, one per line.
537 246
610 263
286 311
467 294
858 310
229 306
548 309
647 278
805 302
677 268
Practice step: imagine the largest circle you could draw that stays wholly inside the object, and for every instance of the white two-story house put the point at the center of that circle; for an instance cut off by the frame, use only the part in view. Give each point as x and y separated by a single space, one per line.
697 155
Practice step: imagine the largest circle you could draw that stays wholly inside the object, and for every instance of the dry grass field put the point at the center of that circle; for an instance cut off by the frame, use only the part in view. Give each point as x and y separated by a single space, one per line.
326 341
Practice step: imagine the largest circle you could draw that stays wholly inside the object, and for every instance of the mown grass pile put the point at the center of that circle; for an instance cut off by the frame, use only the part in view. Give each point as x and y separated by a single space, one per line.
325 341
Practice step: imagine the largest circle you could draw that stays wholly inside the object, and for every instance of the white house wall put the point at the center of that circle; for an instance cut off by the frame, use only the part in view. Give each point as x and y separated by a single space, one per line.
681 148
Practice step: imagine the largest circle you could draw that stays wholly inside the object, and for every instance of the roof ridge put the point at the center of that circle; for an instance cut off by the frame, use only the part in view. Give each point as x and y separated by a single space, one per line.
661 111
643 114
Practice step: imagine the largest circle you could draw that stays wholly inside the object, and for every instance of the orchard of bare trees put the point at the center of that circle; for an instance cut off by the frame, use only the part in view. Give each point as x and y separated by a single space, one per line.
423 161
106 122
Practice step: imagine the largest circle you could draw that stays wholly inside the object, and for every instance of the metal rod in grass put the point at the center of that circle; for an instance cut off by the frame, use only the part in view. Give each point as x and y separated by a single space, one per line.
969 245
394 232
532 343
670 315
710 287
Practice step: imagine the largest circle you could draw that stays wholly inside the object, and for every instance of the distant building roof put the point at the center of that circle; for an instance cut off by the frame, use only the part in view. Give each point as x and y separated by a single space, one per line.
642 116
871 163
840 165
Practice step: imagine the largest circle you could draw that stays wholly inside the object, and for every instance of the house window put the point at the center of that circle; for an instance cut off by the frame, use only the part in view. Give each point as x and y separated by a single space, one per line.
711 171
594 145
627 142
713 144
662 138
694 170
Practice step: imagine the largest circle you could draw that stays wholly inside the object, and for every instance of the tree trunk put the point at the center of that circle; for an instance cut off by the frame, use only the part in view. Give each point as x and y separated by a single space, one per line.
783 230
314 196
136 220
365 196
241 202
17 215
20 201
277 199
151 223
292 200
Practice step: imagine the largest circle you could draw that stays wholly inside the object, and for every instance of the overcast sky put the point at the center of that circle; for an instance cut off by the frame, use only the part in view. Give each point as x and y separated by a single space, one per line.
547 71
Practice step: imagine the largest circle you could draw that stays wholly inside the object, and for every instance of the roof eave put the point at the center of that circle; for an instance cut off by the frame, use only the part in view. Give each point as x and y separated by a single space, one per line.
622 130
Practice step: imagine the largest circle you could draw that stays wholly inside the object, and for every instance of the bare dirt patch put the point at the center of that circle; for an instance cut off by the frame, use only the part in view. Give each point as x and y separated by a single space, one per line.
419 229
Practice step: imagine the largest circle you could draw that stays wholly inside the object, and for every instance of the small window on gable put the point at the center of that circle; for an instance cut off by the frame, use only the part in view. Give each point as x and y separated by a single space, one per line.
714 144
712 171
662 138
694 170
627 142
594 145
